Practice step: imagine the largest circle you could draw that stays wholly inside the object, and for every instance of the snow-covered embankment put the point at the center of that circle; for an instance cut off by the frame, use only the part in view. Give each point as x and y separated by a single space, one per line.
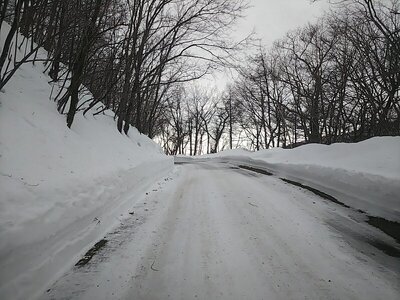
61 189
364 175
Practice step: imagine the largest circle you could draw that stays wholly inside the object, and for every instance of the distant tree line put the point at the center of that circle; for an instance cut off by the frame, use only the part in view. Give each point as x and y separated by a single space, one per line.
128 53
337 80
196 121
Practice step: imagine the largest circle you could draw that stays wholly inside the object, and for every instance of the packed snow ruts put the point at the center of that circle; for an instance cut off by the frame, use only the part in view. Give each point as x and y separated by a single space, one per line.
391 228
208 236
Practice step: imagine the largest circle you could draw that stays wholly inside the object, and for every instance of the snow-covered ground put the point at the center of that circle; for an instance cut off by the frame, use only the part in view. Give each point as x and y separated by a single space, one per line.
364 175
206 230
61 189
214 231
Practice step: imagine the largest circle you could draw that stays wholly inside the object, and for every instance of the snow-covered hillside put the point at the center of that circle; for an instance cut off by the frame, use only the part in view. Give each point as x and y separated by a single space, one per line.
61 188
364 175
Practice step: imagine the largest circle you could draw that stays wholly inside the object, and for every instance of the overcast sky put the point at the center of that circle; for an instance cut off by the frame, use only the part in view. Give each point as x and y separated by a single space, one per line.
271 19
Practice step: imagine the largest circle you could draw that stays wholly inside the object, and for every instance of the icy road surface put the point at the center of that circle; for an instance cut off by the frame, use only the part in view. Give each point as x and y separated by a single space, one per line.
214 231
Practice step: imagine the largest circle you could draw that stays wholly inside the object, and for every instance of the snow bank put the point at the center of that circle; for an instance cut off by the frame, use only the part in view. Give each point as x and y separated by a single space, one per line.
364 175
378 155
61 188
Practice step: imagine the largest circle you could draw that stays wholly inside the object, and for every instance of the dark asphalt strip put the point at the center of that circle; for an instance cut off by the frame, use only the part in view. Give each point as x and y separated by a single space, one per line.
391 228
92 252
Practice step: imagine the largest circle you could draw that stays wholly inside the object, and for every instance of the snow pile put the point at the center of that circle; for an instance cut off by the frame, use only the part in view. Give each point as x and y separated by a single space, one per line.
364 175
61 188
378 155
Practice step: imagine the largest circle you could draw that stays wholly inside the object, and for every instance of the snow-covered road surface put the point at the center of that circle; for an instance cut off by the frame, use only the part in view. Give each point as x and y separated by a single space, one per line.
215 231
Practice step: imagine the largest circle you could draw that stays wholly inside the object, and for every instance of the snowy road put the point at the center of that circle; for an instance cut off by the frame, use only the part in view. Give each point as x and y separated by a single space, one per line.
214 231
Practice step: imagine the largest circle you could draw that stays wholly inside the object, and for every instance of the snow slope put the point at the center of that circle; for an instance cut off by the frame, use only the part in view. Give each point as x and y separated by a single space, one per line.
364 175
61 188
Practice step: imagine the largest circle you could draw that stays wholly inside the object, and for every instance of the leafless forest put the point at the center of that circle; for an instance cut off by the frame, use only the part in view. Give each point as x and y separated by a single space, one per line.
334 80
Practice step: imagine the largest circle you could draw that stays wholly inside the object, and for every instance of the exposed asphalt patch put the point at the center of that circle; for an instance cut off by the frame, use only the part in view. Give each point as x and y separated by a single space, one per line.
75 282
389 227
317 192
351 234
261 171
92 252
386 248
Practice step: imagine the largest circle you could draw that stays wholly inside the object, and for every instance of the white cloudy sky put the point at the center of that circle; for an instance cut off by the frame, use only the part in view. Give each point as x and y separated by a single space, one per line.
271 19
